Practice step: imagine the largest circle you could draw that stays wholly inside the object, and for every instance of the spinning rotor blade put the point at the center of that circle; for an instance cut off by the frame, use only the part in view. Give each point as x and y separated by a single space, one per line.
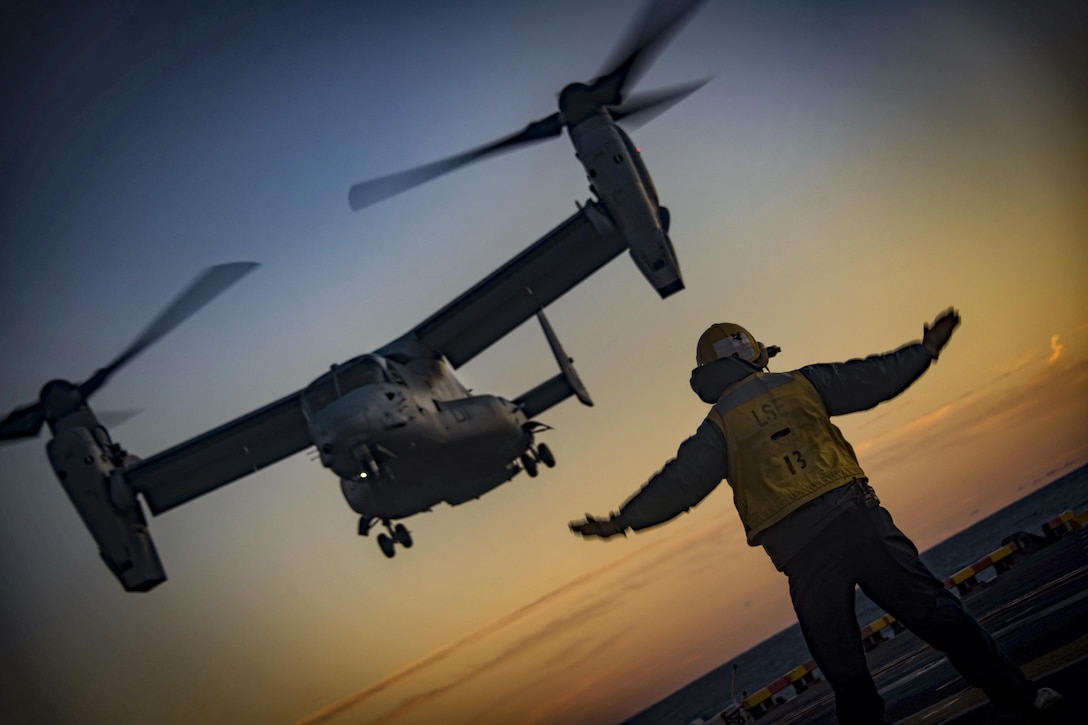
26 421
209 285
366 193
659 21
22 422
114 418
577 102
644 107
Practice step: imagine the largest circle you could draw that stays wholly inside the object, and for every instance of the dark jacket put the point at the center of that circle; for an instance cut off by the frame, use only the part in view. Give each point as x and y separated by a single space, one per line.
702 462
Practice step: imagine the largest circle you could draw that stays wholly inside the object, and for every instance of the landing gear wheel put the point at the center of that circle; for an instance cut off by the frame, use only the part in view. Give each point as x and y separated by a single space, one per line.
544 455
529 465
364 525
387 545
401 536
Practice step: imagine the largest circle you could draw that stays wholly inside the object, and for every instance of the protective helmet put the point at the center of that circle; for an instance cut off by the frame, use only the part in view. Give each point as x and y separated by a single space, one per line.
725 339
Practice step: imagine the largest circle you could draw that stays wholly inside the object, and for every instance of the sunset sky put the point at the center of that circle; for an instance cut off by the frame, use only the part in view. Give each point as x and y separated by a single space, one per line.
852 169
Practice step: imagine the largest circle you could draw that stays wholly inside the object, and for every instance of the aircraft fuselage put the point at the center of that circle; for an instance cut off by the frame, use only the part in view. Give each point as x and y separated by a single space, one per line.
404 437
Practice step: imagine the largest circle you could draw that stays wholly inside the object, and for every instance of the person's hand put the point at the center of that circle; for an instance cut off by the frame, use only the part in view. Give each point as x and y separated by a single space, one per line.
601 528
935 337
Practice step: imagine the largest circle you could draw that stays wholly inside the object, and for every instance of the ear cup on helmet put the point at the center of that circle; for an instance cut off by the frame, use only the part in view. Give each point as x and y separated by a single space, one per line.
764 357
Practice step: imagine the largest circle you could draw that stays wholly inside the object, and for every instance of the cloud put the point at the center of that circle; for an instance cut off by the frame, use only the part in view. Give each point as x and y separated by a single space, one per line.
886 410
909 430
927 421
965 401
544 634
600 598
564 703
1056 350
1055 394
596 593
898 404
518 615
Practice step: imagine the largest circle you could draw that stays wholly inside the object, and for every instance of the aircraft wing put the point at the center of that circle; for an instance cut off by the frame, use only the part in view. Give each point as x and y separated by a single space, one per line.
460 330
222 455
549 268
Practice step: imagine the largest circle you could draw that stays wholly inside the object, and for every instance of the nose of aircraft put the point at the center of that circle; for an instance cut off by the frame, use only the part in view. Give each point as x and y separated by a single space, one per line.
391 410
346 431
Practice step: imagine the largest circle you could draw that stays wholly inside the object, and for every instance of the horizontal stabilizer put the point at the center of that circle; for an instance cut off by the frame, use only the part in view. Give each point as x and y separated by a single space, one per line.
566 364
558 388
545 396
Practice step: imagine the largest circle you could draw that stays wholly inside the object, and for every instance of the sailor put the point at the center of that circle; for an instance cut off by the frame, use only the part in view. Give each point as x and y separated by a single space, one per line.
803 496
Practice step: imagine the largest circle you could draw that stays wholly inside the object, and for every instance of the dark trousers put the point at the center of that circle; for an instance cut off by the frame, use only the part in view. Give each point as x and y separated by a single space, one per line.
863 547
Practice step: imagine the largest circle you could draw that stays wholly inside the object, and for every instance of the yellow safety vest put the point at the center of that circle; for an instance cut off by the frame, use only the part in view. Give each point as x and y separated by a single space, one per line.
783 448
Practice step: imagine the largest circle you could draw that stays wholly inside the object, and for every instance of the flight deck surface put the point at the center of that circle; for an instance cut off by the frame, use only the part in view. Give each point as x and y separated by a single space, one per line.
1038 613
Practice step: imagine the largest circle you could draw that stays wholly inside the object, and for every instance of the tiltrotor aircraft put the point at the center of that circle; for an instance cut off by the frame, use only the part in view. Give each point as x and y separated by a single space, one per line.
398 429
616 173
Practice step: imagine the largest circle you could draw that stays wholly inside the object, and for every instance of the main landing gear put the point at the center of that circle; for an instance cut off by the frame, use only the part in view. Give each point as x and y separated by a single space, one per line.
398 534
531 457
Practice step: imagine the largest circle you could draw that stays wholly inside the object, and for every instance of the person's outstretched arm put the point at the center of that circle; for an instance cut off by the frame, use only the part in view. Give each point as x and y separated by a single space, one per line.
684 481
858 385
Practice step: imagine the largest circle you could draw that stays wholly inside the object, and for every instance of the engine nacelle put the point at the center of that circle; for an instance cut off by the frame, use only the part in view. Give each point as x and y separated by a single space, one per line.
622 183
653 254
108 509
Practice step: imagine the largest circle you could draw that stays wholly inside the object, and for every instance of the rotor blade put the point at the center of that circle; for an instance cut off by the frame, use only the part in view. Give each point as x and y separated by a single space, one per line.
211 282
114 418
642 108
366 193
659 22
24 422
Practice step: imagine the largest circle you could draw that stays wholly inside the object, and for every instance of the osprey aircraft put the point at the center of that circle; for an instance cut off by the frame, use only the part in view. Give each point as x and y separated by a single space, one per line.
396 426
613 165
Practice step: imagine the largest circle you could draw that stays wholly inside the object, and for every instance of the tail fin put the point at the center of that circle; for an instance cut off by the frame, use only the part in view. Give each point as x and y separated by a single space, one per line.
559 388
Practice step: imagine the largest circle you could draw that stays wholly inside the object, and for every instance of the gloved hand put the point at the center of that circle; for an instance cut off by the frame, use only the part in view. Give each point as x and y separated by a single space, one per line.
936 337
602 528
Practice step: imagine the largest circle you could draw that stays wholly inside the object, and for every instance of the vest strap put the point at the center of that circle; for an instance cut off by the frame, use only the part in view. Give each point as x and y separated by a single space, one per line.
750 390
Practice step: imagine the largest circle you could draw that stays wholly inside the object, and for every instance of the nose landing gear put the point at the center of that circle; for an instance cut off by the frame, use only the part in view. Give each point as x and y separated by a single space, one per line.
540 454
398 534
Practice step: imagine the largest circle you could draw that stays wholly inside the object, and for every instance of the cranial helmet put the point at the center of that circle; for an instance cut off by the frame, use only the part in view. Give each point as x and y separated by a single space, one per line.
725 339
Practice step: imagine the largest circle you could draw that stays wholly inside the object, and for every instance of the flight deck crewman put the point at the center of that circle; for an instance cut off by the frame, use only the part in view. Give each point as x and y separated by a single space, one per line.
802 495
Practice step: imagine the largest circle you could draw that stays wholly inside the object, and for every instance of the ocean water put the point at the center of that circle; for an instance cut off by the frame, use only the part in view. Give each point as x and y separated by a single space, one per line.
772 658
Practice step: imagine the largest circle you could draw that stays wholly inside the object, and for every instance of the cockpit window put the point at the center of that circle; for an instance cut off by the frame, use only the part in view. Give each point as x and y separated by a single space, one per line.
359 373
395 376
319 394
341 381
